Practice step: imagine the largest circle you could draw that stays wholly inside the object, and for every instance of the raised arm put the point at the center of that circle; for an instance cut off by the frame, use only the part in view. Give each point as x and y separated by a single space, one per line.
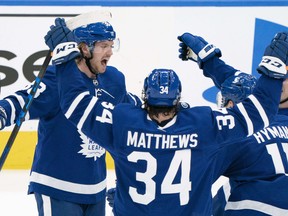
266 95
207 56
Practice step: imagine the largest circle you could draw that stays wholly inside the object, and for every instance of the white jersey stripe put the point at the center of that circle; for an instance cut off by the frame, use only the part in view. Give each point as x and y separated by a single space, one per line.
249 123
13 114
19 99
86 112
46 205
256 206
67 186
75 103
21 103
260 110
227 190
133 98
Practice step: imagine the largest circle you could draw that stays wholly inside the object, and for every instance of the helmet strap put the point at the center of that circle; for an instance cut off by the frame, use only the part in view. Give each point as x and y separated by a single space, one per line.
87 61
283 101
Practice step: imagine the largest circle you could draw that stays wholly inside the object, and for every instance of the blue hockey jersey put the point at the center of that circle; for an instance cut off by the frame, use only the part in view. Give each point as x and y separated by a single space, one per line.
258 172
67 164
165 170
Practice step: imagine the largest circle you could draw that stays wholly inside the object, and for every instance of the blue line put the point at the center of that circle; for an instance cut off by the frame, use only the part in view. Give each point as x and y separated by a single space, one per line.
159 3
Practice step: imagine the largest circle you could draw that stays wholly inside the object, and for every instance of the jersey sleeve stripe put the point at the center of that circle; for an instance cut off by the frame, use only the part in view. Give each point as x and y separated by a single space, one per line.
256 206
75 103
86 112
13 110
133 98
260 110
227 190
21 102
249 123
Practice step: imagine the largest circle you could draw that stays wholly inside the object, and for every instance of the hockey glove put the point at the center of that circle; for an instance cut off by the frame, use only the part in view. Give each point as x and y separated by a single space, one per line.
110 194
196 49
58 33
275 60
64 52
3 118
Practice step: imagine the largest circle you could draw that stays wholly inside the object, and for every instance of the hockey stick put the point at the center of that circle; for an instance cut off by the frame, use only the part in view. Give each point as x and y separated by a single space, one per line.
24 110
73 23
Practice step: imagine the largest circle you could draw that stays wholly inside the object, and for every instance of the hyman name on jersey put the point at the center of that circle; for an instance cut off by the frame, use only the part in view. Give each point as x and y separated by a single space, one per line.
271 132
161 141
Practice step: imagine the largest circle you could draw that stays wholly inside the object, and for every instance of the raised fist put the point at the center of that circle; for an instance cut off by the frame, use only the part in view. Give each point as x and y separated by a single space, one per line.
196 49
275 59
58 33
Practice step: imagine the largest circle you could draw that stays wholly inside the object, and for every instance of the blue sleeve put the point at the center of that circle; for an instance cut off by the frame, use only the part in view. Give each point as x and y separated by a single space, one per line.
45 100
217 70
115 83
219 203
222 196
255 112
81 108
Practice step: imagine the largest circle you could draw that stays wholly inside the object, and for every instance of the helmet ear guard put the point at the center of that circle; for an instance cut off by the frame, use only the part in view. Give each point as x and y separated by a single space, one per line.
236 88
162 88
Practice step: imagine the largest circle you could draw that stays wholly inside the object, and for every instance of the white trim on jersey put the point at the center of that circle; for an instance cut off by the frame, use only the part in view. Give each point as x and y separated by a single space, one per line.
67 186
19 99
75 103
86 112
46 205
260 110
227 190
13 110
256 206
21 102
249 123
133 98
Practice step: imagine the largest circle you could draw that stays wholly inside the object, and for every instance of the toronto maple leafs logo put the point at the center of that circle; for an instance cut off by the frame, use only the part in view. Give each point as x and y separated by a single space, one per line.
89 148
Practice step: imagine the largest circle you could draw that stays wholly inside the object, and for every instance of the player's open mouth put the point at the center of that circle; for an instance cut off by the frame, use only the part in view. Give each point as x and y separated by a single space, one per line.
104 62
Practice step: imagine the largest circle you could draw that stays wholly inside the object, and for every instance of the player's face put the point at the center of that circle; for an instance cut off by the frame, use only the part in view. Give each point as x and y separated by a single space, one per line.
284 94
101 55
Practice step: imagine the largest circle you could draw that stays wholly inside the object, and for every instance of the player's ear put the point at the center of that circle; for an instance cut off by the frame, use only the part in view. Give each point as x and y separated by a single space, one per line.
84 49
230 104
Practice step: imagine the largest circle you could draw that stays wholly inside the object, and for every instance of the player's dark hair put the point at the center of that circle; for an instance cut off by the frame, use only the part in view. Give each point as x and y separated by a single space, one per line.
156 110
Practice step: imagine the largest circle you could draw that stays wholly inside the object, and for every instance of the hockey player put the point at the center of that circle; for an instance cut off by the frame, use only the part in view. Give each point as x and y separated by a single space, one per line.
68 175
164 157
263 156
235 89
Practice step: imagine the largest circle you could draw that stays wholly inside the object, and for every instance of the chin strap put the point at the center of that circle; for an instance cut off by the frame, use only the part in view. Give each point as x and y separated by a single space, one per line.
163 123
87 61
283 101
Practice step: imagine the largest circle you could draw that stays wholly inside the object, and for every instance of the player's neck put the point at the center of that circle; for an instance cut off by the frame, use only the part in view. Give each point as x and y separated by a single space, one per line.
84 69
283 105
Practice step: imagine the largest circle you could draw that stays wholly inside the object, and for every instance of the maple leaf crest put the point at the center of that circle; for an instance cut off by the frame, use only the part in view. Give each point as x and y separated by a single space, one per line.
89 148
